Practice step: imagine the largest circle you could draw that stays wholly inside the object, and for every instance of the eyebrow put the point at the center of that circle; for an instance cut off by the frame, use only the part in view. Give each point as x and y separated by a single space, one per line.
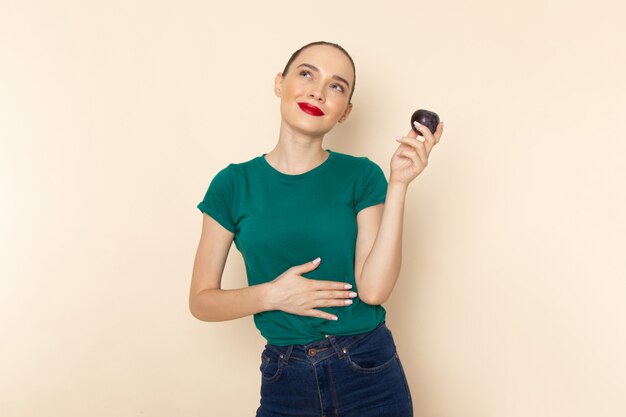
317 69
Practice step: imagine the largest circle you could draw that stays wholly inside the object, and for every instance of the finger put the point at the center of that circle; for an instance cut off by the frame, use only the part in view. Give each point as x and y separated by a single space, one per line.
336 294
413 157
333 302
318 313
325 285
428 135
420 147
413 134
321 314
413 142
423 153
438 132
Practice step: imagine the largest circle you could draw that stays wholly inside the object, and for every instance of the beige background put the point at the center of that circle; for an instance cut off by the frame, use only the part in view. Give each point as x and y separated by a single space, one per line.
115 116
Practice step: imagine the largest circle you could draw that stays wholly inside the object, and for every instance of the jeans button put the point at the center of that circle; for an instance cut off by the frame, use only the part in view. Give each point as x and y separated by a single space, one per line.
312 352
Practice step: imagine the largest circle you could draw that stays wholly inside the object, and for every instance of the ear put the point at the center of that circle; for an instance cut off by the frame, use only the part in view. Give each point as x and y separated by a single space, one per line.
346 113
278 81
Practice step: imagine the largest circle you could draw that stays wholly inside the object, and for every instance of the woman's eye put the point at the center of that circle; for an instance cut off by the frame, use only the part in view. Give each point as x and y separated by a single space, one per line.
339 87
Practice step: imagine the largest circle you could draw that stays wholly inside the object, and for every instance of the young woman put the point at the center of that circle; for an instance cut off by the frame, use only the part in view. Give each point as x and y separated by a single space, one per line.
320 233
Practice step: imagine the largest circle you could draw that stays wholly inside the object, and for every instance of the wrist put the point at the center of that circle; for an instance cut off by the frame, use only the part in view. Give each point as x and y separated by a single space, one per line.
396 185
265 291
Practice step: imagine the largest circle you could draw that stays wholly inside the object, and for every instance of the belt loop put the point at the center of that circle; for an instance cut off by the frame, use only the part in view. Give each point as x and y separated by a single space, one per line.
339 349
287 354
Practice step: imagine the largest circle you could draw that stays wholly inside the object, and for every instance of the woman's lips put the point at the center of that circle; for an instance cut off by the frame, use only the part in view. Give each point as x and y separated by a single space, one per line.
309 109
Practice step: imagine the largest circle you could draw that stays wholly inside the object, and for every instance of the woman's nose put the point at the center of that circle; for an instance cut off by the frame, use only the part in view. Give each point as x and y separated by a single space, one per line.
316 94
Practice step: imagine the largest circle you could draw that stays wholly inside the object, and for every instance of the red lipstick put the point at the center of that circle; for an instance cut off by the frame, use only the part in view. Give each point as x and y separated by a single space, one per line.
310 109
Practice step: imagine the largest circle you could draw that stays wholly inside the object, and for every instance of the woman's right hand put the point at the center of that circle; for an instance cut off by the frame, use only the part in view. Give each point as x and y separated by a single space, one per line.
292 293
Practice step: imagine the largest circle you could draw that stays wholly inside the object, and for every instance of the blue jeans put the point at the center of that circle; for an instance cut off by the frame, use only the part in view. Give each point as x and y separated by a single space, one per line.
347 376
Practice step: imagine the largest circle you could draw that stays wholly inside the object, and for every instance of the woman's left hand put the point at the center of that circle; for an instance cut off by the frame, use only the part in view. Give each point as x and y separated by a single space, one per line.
411 157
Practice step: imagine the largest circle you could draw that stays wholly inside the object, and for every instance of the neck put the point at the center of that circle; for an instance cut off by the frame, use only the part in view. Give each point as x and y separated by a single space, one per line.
294 159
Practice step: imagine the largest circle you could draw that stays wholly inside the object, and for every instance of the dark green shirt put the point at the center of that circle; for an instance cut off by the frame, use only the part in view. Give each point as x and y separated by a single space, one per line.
282 220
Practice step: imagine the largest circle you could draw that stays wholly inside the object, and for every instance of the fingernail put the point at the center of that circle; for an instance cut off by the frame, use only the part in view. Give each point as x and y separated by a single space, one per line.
399 139
347 286
335 317
316 260
416 123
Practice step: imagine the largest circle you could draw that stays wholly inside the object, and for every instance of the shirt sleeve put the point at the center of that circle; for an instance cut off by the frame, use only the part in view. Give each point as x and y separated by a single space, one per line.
371 186
218 200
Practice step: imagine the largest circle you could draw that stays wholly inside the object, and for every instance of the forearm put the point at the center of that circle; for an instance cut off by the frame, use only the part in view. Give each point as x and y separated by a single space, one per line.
382 266
223 305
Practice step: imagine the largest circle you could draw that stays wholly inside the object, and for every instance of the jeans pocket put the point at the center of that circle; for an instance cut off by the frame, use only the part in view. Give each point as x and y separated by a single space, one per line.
372 354
271 366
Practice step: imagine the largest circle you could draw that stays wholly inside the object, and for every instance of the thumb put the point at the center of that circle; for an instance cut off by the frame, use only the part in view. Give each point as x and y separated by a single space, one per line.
309 266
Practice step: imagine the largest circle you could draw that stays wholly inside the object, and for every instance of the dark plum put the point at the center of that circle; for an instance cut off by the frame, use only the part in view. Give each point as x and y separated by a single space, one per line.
427 118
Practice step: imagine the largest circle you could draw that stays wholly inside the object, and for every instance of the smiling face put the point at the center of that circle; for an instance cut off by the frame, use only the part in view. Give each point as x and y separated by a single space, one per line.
320 76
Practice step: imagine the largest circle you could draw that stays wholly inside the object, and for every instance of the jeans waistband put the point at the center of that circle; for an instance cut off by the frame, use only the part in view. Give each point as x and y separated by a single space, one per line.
321 349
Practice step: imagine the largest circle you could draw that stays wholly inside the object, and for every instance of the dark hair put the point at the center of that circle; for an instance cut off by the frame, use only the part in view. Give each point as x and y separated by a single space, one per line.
295 55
